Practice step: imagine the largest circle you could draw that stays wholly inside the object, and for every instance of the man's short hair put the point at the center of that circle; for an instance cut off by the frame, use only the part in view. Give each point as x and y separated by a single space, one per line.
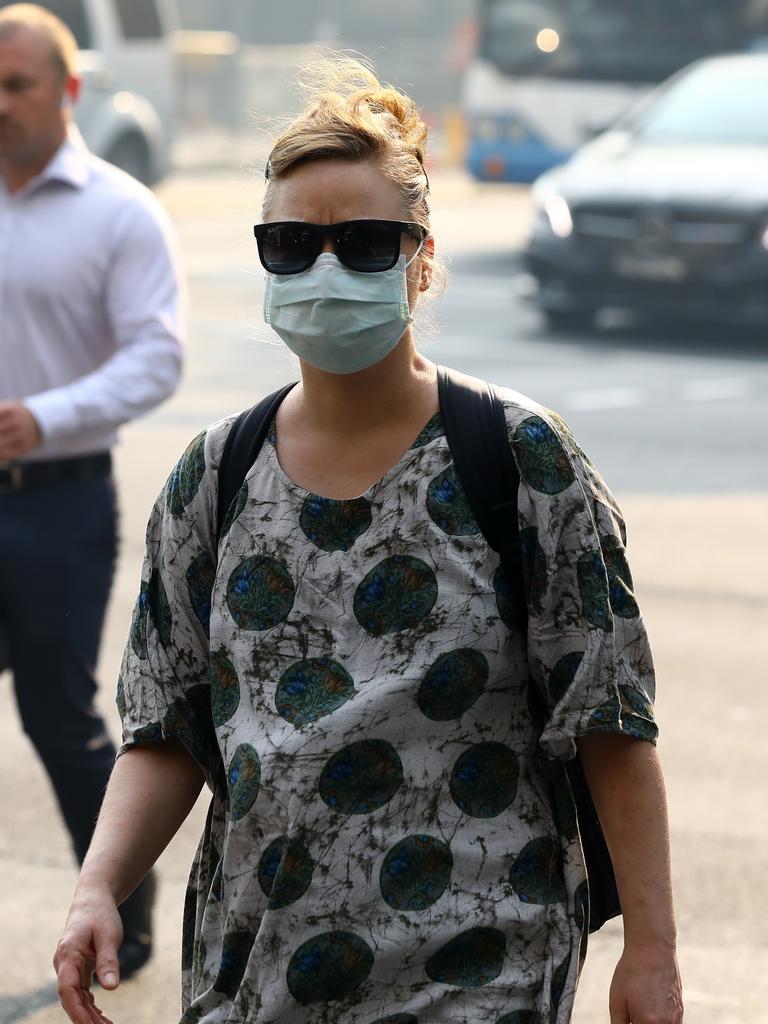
32 16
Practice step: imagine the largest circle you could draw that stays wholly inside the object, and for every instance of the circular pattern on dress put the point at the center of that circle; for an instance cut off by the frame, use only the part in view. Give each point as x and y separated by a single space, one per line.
557 987
534 565
415 872
260 593
225 688
622 599
508 601
563 674
519 1017
236 507
484 780
138 633
537 873
185 479
541 457
160 609
398 1018
472 959
201 575
593 590
448 505
328 966
396 594
452 684
236 949
334 525
285 871
311 689
361 777
636 714
243 780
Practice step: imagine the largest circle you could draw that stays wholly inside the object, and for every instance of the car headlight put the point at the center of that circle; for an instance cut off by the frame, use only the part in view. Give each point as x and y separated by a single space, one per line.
558 214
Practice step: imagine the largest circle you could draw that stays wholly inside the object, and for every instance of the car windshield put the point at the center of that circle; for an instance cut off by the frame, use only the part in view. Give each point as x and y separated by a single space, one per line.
72 13
722 102
615 40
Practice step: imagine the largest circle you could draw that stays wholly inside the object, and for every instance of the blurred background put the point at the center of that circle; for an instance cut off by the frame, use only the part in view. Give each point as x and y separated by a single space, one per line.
606 231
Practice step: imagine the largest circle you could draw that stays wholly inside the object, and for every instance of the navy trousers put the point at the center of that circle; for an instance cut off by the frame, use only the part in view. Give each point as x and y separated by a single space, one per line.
58 546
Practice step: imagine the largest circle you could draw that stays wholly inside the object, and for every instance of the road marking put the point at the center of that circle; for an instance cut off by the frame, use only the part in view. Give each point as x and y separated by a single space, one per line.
605 398
710 389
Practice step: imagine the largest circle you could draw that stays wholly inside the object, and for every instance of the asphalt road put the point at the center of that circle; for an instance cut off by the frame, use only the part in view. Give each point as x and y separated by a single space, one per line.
676 420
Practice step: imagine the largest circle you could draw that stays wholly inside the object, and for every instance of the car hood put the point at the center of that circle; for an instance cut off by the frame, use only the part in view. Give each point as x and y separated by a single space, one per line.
618 168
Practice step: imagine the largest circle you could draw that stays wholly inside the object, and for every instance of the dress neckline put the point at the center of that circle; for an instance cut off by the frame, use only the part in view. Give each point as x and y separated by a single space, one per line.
429 433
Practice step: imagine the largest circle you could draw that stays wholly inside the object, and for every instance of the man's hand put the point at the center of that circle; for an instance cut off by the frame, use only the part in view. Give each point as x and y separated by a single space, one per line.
646 987
92 936
19 431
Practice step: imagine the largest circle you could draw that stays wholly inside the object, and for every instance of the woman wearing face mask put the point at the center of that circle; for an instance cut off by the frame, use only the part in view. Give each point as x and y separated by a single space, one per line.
391 836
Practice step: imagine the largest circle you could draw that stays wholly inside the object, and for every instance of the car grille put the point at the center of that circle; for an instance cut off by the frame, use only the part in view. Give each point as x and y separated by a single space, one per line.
699 236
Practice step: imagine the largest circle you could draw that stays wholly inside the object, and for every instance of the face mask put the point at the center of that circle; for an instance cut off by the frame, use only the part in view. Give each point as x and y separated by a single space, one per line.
336 319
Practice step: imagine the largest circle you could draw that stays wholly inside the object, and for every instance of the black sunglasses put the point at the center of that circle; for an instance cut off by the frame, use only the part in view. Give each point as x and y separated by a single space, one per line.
367 246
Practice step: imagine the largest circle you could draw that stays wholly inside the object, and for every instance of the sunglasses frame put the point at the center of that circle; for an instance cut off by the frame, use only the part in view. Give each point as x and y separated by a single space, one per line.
320 233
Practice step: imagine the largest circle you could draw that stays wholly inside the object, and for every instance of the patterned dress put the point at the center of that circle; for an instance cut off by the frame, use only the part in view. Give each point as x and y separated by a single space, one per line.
391 836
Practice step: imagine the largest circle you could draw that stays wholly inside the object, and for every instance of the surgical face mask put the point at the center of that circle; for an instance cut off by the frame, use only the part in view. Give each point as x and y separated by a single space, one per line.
336 319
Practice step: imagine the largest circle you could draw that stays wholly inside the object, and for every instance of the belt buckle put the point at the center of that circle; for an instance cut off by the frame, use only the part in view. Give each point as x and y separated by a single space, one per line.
11 478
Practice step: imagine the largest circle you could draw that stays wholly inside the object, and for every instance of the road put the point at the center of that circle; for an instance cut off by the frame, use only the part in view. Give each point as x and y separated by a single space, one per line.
676 420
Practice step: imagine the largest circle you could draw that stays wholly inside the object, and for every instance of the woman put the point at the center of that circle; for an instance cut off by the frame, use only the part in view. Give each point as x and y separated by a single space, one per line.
387 839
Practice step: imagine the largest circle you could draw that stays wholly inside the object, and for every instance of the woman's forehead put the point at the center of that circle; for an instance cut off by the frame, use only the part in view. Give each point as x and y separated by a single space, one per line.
328 191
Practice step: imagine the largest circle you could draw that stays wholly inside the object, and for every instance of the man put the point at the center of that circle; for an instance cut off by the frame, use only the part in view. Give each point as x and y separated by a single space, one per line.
89 338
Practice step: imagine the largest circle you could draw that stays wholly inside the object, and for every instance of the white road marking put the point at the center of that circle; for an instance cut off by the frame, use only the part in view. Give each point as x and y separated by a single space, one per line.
605 398
711 388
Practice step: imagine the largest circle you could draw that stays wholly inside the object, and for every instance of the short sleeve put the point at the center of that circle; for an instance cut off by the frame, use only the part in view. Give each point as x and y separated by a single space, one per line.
163 691
588 652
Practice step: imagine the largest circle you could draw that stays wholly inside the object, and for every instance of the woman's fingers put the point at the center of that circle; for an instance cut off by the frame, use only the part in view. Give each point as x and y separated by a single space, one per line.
71 992
106 939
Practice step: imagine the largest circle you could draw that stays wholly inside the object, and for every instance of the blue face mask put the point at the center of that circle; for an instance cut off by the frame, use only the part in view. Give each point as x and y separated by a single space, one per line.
337 319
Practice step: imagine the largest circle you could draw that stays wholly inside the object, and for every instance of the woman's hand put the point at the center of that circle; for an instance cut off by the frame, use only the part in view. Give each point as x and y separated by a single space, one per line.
646 987
91 939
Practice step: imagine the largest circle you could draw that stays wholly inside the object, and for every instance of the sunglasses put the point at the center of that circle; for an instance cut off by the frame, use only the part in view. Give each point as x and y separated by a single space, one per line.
367 246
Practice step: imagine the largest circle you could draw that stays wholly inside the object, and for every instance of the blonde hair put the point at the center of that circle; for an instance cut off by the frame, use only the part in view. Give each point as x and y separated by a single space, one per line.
350 115
32 16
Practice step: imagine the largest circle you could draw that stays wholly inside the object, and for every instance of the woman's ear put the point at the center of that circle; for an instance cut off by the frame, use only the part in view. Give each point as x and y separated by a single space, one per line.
425 265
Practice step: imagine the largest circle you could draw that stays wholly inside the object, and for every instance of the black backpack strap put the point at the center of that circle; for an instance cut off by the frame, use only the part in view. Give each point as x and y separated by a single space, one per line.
475 427
244 442
476 430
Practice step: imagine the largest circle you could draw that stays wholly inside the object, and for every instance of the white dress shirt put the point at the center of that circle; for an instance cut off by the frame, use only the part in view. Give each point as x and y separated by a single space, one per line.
90 304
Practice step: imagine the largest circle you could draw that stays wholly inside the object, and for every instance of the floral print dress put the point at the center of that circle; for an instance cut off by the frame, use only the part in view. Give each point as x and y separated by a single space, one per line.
391 836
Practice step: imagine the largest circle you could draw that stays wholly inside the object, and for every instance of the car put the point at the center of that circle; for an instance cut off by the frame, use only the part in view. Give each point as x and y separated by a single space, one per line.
127 64
667 211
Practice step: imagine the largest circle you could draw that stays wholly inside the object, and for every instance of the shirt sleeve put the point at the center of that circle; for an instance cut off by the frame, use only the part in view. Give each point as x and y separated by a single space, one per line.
164 690
144 304
588 651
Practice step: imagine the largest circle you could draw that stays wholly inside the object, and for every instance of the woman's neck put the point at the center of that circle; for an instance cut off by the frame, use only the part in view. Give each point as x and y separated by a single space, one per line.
400 386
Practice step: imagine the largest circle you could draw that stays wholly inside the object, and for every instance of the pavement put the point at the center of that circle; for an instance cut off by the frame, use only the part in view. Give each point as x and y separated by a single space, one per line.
699 554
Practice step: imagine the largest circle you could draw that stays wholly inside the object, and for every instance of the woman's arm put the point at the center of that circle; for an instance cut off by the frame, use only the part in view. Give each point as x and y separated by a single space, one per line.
150 793
627 786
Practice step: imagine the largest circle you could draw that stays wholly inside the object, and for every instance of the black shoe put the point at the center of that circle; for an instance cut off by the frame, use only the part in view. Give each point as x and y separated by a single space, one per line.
132 956
136 915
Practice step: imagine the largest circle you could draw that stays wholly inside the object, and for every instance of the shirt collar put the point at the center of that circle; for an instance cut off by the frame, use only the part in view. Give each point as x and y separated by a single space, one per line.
68 164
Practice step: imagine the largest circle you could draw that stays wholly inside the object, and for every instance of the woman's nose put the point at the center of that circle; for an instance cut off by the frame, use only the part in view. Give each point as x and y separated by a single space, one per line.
328 245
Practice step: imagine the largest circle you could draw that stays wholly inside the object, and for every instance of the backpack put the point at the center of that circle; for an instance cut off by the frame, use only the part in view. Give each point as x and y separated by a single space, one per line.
475 426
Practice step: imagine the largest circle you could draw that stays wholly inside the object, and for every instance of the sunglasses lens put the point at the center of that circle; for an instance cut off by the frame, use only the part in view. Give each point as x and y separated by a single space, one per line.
368 248
287 248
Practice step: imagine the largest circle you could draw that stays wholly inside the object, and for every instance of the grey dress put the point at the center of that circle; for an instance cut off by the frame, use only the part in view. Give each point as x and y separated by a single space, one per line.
391 834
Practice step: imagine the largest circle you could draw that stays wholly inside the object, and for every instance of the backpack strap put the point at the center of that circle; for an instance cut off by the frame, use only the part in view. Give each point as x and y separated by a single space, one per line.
244 442
476 429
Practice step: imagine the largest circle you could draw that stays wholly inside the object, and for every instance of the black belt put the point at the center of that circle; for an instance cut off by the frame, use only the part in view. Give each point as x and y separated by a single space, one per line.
24 476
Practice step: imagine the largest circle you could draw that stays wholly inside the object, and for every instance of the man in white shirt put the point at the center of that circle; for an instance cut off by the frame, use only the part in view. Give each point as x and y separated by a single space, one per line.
90 326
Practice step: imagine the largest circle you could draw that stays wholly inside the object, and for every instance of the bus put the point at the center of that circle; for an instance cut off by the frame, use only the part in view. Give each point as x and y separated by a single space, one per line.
548 74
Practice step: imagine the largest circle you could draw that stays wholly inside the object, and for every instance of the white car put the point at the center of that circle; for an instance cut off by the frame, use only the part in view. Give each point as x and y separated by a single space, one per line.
126 59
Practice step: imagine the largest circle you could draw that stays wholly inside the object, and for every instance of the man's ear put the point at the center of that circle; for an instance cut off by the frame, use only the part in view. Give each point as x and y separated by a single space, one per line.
425 279
73 87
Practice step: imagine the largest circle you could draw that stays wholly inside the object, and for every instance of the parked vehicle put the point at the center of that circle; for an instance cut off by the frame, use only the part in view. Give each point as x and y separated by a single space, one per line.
667 212
547 73
126 56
